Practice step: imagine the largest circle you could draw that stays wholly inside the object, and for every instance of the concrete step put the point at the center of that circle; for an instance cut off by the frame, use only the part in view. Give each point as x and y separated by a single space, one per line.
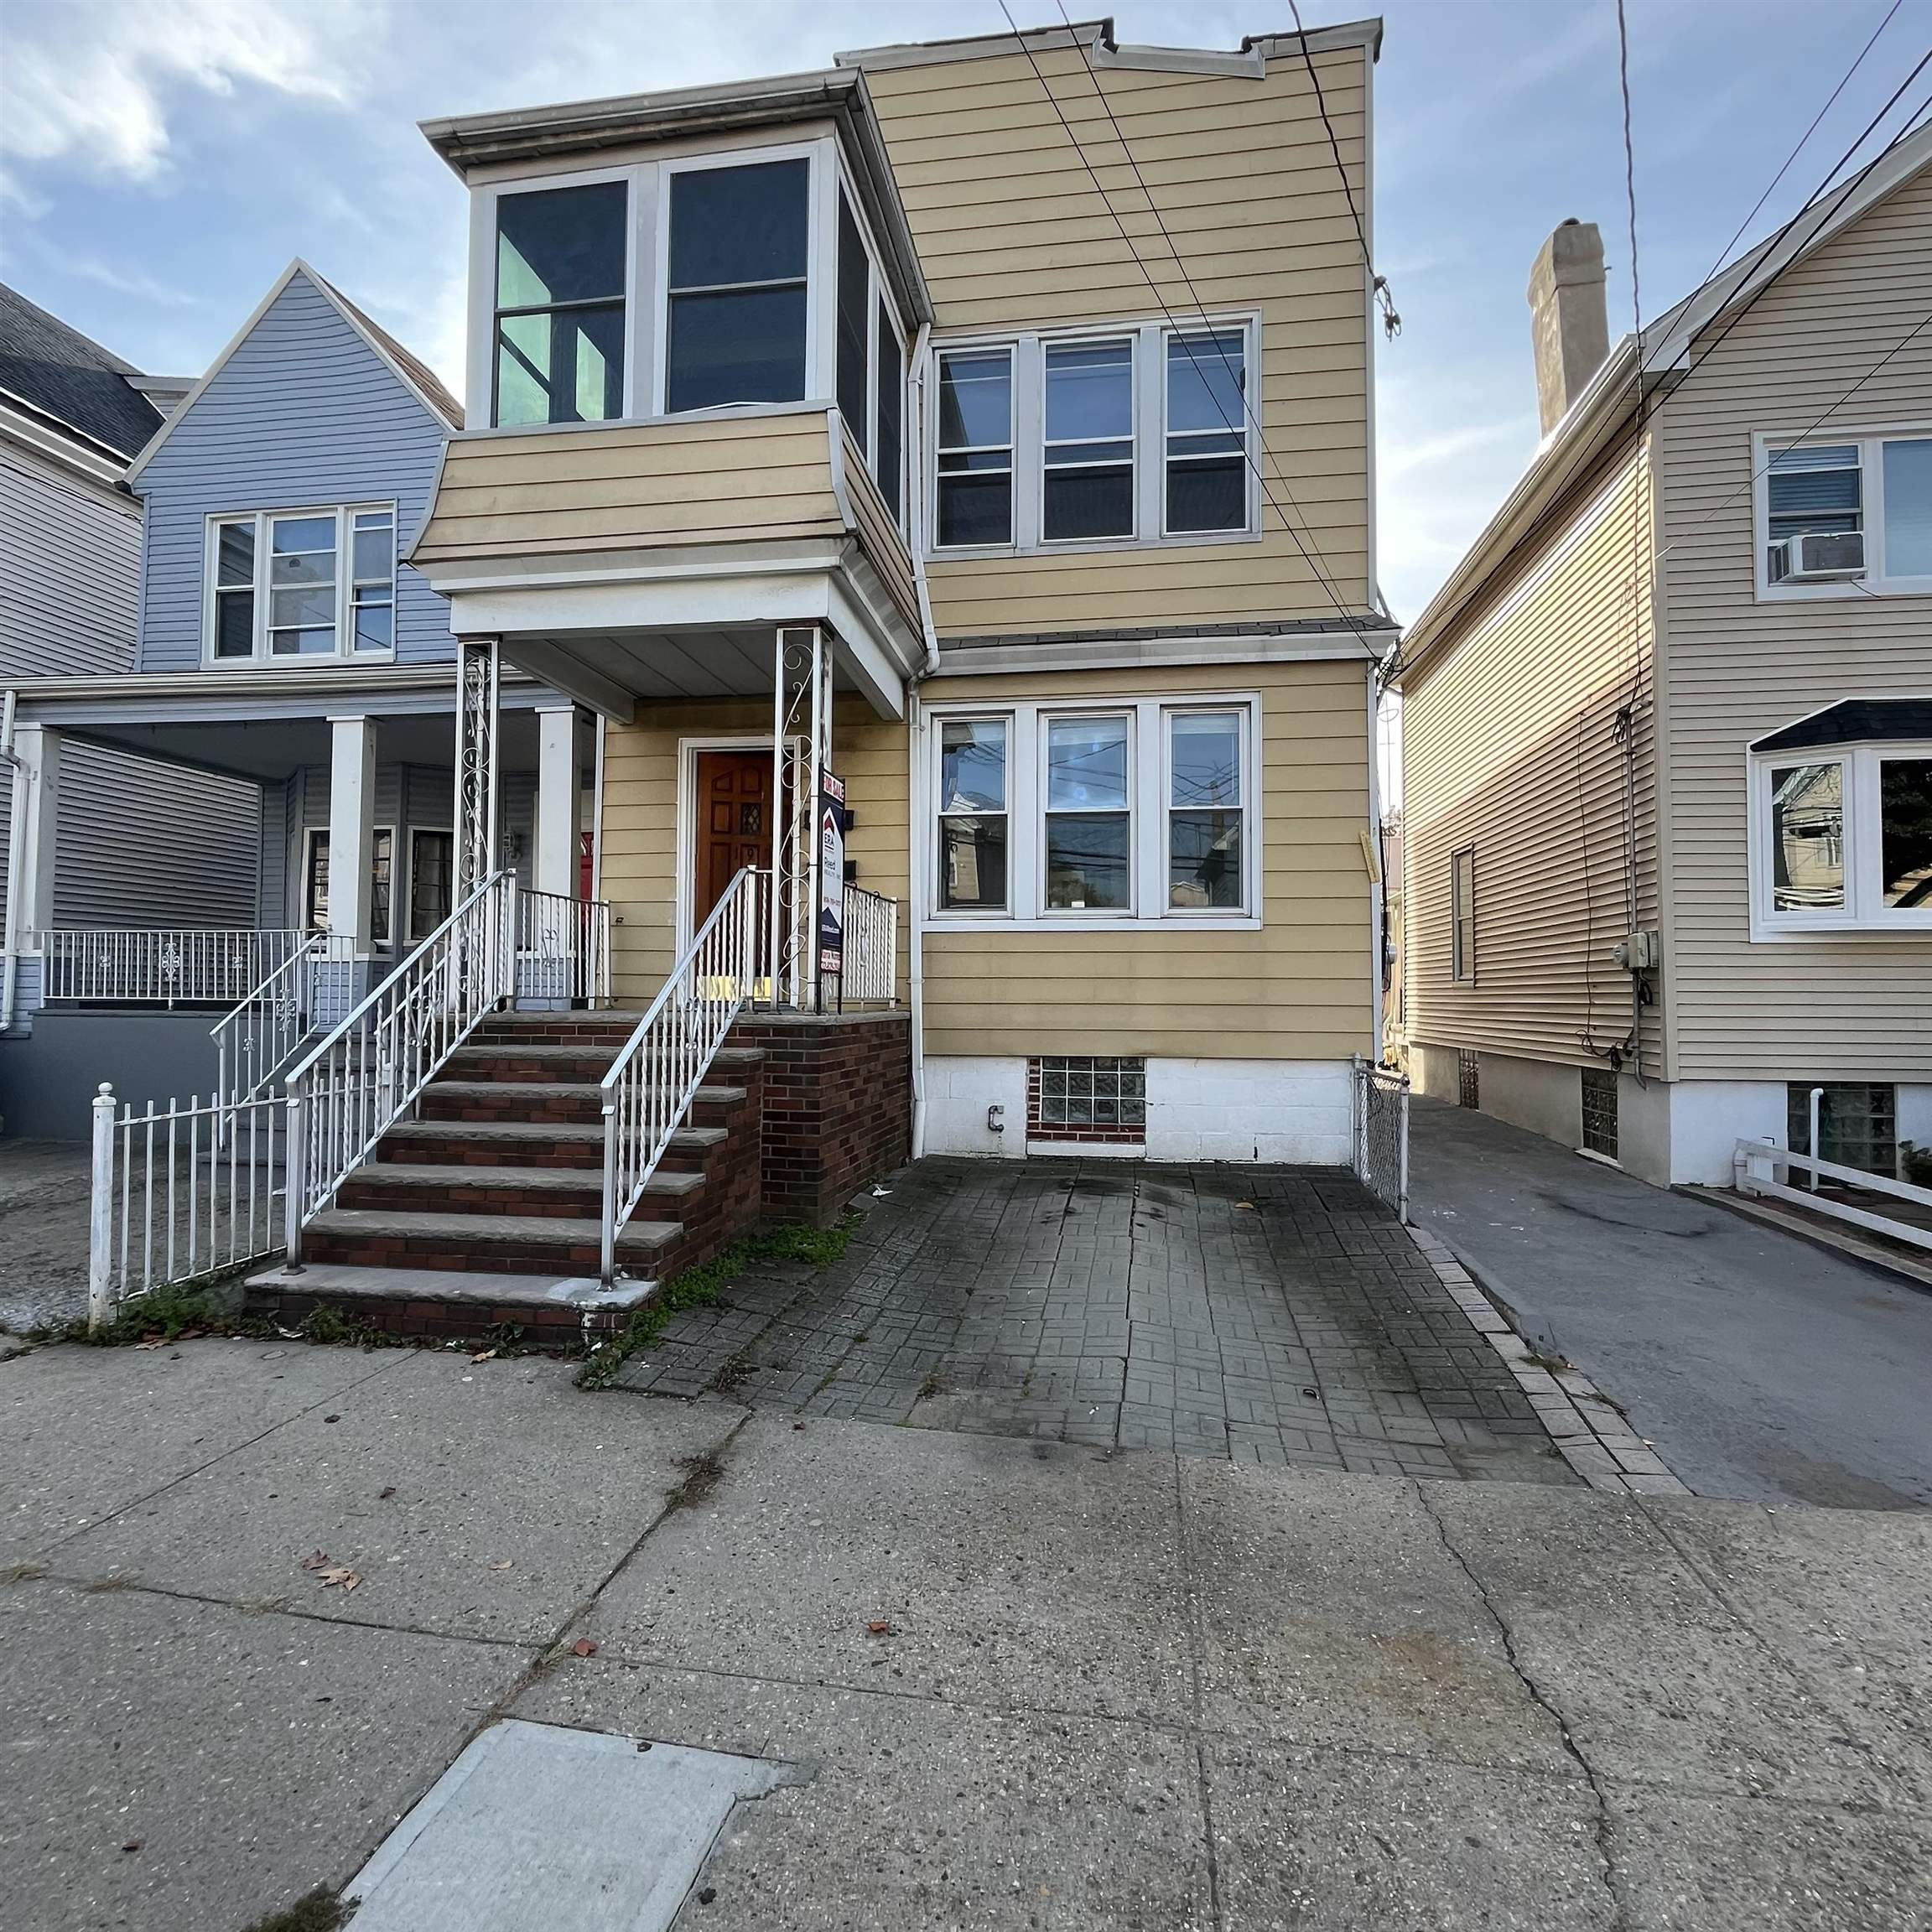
393 1186
483 1244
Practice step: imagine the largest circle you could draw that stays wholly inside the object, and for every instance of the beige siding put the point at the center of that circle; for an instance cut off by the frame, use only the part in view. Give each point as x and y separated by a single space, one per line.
640 819
1011 233
1299 988
516 493
1858 1005
878 534
1511 746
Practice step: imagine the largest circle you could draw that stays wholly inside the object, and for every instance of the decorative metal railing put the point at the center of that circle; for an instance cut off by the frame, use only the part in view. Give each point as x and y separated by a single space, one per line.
871 969
658 1073
258 1036
159 965
345 1094
1381 1119
179 1192
562 949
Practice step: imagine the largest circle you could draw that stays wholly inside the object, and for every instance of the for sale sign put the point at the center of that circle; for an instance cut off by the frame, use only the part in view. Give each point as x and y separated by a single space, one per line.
831 874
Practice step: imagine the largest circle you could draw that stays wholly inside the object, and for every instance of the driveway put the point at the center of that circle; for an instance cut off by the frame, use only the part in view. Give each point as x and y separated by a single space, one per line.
1762 1367
1272 1315
43 1232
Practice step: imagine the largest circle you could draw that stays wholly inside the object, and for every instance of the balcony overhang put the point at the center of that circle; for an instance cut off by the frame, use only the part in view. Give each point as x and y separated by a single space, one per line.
643 561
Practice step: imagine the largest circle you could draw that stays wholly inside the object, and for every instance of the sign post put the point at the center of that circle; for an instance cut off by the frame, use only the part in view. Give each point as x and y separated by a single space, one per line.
832 880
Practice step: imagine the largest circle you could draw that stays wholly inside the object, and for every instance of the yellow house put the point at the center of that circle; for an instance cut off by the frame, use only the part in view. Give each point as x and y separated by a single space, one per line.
986 423
1668 726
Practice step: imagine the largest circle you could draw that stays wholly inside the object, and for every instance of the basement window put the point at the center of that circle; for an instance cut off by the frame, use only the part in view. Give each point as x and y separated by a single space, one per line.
1072 1098
1857 1123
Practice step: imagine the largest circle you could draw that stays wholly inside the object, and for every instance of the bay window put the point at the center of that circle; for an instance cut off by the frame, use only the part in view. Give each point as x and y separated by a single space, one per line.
1841 822
1866 501
889 458
1113 814
854 309
301 584
561 274
736 288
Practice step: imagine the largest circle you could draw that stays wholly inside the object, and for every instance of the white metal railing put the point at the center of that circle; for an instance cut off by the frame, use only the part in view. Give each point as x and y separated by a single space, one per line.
562 949
652 1081
870 967
1754 1163
1381 1122
167 965
178 1192
255 1039
345 1094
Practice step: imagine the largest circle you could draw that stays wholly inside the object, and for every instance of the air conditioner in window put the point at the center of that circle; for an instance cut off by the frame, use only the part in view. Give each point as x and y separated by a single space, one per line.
1819 557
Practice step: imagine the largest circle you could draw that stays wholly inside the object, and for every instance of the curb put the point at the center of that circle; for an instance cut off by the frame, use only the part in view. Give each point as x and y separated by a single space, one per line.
1590 1433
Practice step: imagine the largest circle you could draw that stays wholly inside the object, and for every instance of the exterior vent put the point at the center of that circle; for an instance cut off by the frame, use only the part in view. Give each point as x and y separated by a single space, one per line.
1818 556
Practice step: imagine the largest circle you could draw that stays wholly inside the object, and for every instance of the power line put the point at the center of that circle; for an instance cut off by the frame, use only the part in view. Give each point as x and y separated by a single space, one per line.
1348 617
1391 322
1194 294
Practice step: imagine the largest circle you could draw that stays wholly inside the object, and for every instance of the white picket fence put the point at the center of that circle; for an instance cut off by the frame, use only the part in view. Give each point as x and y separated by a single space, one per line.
179 1192
1755 1164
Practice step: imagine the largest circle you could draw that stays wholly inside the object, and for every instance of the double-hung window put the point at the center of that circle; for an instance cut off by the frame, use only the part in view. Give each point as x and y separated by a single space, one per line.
1207 808
1087 487
432 871
975 447
1206 485
301 584
1462 915
1089 816
315 883
562 268
735 287
973 815
1848 518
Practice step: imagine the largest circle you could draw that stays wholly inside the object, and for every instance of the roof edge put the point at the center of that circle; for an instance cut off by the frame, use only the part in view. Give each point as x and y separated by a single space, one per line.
1249 60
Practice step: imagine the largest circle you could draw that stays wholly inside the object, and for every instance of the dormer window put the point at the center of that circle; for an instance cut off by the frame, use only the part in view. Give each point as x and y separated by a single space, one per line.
282 585
736 285
561 271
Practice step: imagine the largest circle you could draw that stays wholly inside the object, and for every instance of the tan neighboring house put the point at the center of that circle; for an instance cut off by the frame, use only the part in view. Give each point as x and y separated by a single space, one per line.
862 355
1668 726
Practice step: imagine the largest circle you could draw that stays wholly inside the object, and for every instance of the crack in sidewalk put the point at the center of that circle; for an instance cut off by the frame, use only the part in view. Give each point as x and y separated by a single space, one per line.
1605 1824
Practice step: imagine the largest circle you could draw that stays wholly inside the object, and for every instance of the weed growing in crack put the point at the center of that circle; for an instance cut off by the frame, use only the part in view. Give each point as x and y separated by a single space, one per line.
318 1911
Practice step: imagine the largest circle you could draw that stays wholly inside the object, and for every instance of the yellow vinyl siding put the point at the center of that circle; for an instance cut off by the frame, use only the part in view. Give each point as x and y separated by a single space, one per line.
1853 1005
1510 746
1299 987
640 829
878 534
1011 234
513 493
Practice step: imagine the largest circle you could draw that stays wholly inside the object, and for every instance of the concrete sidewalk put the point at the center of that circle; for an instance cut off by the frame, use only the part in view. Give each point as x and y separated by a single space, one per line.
1010 1684
1761 1366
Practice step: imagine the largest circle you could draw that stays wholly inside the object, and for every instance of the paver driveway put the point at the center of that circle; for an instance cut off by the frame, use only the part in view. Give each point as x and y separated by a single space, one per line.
1272 1315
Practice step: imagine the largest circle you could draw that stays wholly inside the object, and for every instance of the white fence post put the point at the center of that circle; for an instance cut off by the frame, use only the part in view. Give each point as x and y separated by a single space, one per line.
100 1215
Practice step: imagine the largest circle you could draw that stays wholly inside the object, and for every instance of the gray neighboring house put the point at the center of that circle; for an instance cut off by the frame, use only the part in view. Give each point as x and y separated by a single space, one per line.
258 696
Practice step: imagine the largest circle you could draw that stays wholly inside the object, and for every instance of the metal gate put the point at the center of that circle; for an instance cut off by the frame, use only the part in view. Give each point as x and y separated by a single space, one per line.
1381 1109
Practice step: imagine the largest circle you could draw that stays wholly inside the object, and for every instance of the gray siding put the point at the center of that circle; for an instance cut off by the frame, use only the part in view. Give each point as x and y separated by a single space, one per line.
303 413
70 567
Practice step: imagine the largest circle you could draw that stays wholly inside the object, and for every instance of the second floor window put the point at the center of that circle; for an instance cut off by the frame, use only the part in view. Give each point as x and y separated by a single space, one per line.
975 447
561 258
1088 489
736 289
1207 478
301 584
1843 517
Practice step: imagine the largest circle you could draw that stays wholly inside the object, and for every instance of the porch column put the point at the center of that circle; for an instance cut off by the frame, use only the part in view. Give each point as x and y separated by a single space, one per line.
351 829
555 866
36 814
476 762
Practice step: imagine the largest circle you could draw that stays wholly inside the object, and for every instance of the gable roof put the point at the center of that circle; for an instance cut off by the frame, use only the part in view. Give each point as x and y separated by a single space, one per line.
411 370
63 374
1645 366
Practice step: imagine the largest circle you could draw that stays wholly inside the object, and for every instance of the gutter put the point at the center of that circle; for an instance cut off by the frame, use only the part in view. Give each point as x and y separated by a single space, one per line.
16 837
914 734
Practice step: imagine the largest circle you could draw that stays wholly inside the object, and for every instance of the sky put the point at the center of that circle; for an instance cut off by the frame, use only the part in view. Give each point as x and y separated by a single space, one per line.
161 161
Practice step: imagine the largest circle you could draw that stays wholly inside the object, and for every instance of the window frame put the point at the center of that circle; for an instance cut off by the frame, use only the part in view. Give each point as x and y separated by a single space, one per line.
1061 714
413 832
1149 785
1461 952
378 942
970 915
1243 718
1864 910
345 652
1011 448
1027 349
1131 341
1873 582
1250 415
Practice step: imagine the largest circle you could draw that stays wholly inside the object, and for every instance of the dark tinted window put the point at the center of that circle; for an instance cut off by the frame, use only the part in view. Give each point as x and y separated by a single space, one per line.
743 347
730 226
889 455
559 346
854 306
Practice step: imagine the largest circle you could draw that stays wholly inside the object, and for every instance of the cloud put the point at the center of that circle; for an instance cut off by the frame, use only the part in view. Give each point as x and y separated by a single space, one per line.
96 85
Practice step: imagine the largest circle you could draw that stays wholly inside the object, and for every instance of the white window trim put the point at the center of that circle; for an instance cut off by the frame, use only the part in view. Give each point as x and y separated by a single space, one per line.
1028 350
1133 438
1001 914
344 515
383 940
1874 582
407 866
1012 448
1097 712
1247 807
1026 910
1863 910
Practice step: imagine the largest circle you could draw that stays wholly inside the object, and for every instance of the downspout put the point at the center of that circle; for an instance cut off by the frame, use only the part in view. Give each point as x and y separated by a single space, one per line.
16 837
914 747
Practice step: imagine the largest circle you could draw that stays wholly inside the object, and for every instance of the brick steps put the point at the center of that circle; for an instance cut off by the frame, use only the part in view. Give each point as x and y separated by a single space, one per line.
396 1186
429 1302
529 1144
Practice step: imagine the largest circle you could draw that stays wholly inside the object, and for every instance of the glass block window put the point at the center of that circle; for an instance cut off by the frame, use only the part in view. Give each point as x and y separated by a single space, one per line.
1857 1123
1073 1098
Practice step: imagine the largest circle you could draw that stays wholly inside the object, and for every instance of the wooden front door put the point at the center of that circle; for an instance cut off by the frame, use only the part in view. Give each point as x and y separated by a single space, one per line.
734 823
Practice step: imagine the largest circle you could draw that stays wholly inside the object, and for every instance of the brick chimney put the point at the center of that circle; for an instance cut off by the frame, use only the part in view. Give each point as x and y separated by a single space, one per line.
1569 327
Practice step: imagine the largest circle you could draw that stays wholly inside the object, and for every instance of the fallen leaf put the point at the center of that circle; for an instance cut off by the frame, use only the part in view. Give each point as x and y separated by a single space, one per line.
153 1341
483 1355
383 1495
339 1575
879 1627
583 1648
318 1560
1248 1205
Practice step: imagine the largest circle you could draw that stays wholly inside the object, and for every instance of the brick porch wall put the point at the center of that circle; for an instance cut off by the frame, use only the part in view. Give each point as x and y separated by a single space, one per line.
838 1106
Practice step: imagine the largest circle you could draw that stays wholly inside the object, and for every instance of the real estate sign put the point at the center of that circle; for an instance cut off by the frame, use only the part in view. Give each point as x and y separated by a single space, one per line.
831 874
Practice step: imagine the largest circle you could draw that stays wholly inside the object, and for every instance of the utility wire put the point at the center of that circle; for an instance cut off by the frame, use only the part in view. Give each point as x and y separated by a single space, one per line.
1194 294
1378 284
1349 618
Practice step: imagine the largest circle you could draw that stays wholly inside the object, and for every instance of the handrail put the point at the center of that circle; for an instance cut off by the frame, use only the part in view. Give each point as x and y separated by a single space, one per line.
263 1017
658 1070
